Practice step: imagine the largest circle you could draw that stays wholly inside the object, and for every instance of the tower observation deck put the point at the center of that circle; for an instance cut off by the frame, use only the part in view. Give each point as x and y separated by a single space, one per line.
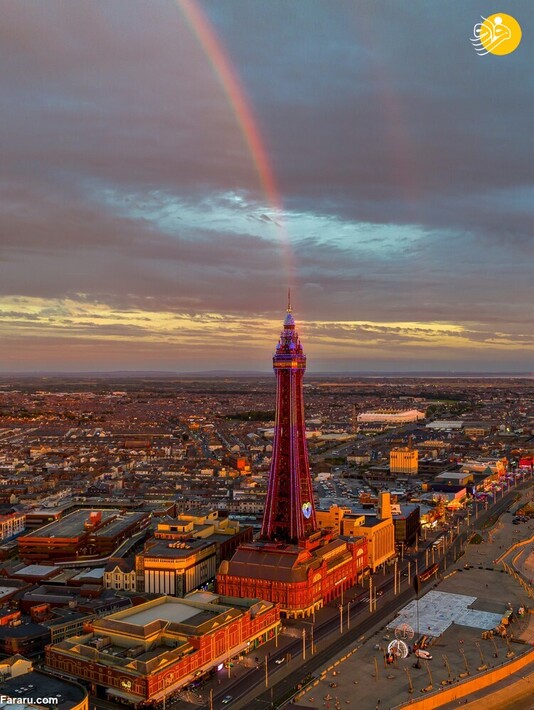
289 514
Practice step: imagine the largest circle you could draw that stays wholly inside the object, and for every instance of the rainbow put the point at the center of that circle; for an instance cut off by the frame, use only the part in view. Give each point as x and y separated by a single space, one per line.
244 114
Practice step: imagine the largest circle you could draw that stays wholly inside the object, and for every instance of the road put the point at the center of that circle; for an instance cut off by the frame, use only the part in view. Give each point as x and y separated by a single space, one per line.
326 630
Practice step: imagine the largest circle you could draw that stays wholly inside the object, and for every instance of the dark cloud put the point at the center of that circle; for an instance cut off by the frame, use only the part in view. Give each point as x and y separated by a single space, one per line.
126 181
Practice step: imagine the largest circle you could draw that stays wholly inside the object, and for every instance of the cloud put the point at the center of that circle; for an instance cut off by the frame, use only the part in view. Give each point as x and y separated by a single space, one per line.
403 161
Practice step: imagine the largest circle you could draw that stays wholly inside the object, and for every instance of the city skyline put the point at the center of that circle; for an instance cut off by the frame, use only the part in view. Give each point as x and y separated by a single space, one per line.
168 173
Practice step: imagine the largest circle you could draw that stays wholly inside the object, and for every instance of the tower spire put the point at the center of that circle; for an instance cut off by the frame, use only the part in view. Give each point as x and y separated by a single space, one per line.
289 514
289 300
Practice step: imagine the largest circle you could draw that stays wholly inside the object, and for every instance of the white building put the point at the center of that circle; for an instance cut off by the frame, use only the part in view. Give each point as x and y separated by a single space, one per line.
391 416
11 524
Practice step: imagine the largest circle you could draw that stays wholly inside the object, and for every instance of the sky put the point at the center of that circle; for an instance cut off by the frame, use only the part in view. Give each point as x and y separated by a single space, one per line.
169 168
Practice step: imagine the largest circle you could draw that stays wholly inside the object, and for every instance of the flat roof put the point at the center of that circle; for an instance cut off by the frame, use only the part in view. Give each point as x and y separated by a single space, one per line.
4 591
176 612
164 548
36 570
120 524
458 475
44 686
71 525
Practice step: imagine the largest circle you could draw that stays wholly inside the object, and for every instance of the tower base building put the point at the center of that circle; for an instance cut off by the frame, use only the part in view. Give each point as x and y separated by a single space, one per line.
299 579
294 564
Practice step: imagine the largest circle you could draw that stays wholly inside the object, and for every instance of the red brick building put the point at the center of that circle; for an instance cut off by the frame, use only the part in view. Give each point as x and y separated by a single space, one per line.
156 648
299 579
82 534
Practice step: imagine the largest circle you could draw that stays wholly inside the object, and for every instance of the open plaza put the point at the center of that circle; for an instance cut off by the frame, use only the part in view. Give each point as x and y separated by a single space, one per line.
474 596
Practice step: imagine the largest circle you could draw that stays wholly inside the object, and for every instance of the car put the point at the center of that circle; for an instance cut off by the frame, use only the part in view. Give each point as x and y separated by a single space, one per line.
421 653
227 699
379 593
279 661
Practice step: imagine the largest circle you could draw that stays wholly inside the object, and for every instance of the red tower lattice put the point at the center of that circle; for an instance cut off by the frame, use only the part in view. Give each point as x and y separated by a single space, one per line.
289 514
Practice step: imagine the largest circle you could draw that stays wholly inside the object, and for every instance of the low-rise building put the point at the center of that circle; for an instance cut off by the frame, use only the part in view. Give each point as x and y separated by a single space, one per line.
404 459
82 534
62 694
151 651
175 567
377 528
12 524
120 574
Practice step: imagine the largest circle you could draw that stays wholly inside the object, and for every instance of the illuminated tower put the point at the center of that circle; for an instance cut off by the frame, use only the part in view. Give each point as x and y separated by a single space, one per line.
289 514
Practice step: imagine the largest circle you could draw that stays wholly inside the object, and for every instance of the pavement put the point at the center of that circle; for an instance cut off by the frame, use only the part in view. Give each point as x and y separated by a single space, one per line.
254 689
364 680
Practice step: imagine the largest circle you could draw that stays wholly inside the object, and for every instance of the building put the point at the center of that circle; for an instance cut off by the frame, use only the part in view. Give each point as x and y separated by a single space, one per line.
404 459
63 694
391 416
90 599
82 534
28 640
175 567
376 527
209 525
120 574
294 563
14 666
65 623
155 649
407 522
11 525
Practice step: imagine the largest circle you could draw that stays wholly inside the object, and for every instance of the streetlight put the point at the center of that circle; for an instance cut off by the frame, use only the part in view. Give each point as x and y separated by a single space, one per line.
312 642
446 660
348 612
410 686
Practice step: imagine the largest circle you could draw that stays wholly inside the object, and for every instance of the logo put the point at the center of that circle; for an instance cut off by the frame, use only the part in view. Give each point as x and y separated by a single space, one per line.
307 509
497 34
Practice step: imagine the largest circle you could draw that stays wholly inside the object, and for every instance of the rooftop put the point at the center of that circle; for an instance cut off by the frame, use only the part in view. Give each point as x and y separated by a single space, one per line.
176 612
70 526
36 684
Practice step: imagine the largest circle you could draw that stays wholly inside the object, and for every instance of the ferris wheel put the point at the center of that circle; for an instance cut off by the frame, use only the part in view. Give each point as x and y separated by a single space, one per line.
404 632
398 648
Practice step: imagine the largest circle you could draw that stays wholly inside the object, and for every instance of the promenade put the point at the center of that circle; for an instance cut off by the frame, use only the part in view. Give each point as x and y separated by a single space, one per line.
475 586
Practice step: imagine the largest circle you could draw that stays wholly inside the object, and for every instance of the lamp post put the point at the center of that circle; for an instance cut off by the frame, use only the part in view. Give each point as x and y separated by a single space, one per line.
303 644
410 684
311 632
348 614
446 660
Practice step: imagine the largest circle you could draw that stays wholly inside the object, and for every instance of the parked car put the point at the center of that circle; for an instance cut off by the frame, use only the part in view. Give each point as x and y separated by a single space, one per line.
421 653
